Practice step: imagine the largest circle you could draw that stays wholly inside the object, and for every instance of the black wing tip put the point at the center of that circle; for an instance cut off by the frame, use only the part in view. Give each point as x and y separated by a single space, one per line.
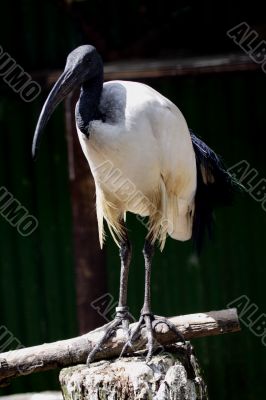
212 195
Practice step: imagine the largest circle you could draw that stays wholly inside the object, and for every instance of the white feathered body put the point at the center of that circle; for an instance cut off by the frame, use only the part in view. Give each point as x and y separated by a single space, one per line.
142 159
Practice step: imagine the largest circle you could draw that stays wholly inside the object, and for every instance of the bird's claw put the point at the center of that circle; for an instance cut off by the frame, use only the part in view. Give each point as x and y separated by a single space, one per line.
127 345
159 324
121 320
153 323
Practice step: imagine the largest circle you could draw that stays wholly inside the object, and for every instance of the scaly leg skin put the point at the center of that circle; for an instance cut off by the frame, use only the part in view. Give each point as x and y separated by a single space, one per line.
122 318
147 319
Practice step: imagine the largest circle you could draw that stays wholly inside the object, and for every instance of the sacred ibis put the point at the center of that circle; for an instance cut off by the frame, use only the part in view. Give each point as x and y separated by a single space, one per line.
144 160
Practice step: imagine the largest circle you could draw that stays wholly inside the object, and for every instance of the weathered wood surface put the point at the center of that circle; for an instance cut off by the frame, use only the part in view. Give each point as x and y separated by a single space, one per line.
180 66
74 351
167 376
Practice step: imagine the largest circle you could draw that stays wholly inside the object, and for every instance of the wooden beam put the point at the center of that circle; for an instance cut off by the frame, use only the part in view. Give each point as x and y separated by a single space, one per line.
75 351
181 66
144 69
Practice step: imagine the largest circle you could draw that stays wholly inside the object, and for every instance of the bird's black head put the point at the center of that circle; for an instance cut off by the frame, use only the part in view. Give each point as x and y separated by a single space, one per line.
83 64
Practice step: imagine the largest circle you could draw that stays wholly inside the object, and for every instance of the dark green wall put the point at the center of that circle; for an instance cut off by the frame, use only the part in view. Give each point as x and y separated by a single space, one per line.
37 286
37 295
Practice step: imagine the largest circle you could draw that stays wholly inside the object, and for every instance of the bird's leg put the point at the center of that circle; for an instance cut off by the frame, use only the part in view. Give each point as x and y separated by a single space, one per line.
147 319
122 309
122 317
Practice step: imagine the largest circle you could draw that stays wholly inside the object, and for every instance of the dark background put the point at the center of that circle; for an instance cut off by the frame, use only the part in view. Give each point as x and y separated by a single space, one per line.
38 294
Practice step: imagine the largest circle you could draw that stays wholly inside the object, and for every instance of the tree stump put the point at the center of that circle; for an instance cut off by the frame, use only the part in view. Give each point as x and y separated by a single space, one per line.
172 374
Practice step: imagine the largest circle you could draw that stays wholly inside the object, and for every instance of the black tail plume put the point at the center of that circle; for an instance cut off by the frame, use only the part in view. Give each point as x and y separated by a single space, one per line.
215 187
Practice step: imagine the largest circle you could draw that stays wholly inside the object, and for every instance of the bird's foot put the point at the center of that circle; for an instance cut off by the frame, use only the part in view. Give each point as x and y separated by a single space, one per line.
121 320
153 323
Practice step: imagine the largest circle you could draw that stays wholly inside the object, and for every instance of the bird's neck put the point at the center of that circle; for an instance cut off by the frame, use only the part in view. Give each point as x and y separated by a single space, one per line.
87 108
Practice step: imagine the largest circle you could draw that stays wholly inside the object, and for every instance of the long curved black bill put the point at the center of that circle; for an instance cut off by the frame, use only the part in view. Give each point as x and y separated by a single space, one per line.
64 85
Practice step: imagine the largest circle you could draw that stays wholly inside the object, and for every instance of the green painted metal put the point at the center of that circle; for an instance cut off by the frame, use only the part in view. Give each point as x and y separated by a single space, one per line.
37 294
37 284
227 112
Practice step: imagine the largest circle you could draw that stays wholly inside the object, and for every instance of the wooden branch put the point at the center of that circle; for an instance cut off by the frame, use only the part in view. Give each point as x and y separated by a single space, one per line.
75 351
181 66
